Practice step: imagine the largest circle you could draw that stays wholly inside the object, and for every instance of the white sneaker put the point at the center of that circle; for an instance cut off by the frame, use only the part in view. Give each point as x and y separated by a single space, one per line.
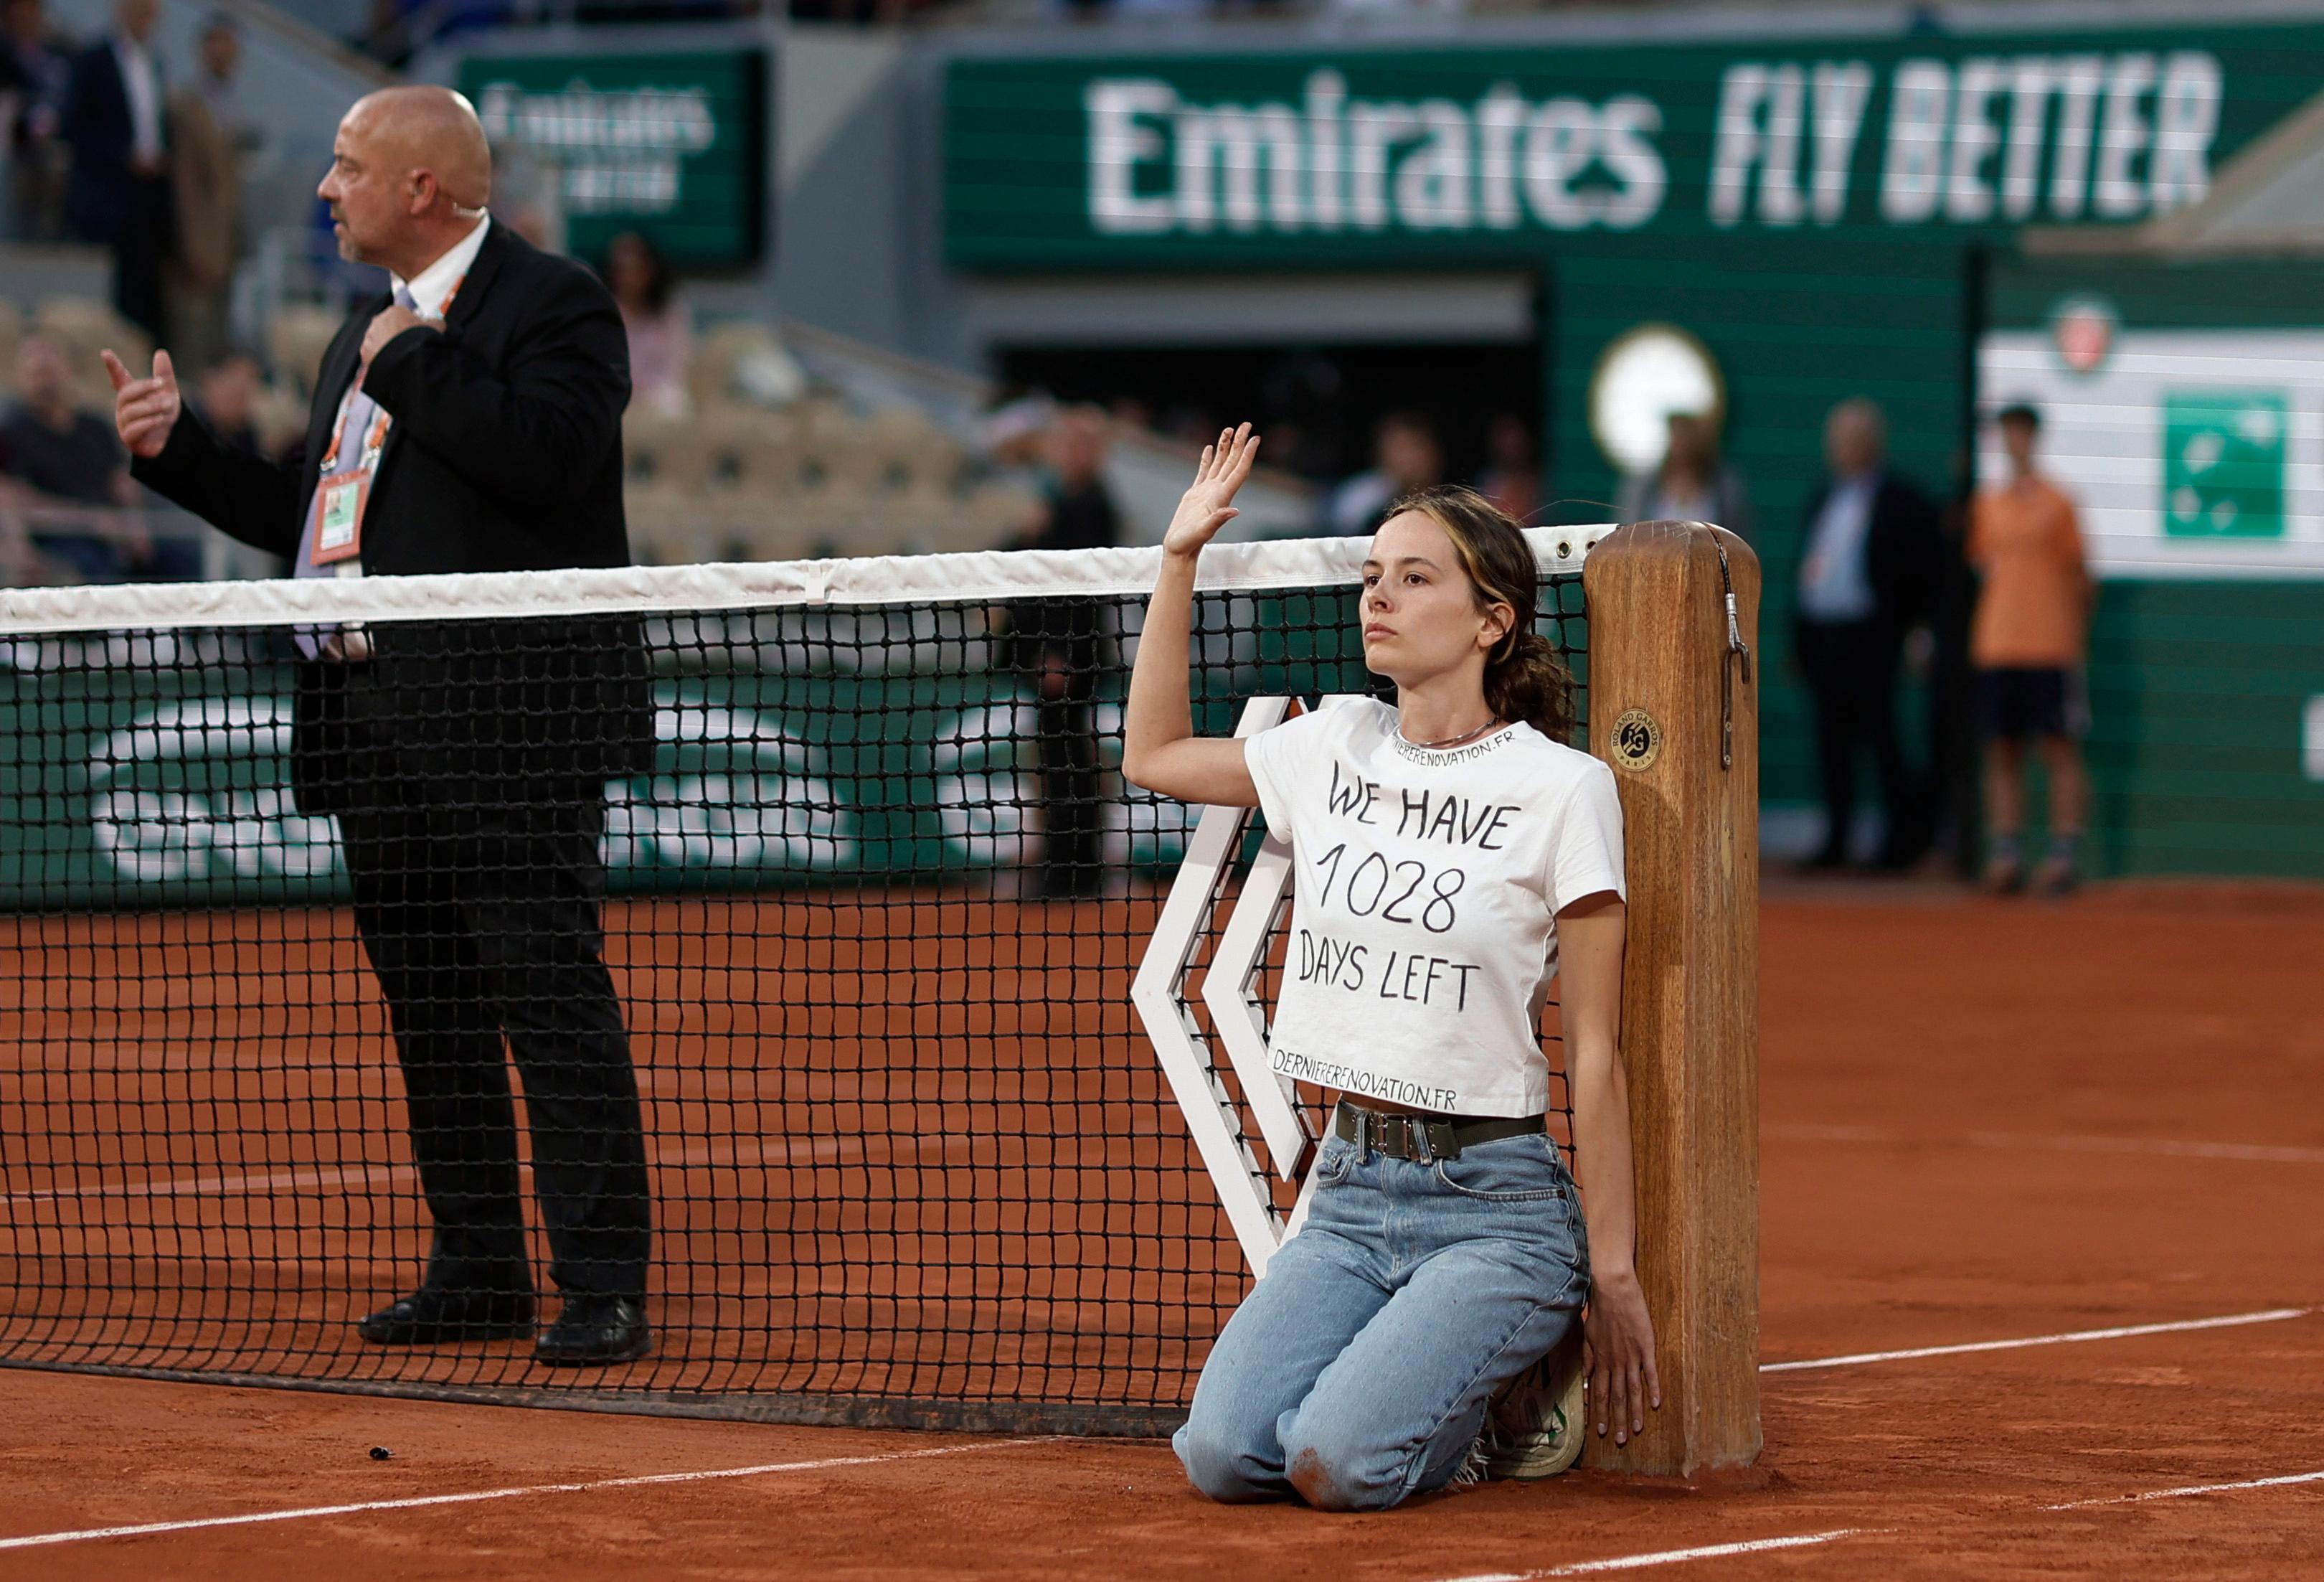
1535 1427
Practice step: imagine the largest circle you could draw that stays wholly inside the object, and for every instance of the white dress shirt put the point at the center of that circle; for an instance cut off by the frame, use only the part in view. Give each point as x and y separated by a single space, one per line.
431 289
143 88
1835 584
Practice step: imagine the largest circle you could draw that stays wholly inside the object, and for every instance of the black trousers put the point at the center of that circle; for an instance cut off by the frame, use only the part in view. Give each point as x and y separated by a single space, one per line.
1851 674
1059 646
482 923
1071 814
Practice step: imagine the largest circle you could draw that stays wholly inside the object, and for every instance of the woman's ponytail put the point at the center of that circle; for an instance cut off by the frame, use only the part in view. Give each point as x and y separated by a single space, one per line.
1530 682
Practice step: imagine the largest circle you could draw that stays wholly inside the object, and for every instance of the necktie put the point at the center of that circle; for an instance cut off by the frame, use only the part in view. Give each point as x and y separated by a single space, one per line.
362 411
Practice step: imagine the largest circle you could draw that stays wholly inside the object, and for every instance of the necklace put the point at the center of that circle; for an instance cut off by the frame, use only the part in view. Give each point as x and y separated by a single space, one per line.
1462 740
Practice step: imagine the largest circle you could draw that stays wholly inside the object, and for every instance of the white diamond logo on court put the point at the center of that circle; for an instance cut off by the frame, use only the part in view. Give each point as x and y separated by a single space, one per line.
1159 995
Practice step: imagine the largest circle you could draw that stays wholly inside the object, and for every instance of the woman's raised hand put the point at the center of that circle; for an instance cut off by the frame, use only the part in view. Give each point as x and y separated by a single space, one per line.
1208 505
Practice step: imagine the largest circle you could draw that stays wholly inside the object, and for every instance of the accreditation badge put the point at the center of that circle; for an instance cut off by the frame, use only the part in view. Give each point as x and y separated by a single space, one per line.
338 527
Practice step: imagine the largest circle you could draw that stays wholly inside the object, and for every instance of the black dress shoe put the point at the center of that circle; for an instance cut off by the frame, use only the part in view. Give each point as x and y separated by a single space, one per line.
594 1330
442 1316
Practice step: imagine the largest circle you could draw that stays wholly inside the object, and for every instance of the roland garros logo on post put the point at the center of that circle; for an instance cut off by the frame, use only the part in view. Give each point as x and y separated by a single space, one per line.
1637 740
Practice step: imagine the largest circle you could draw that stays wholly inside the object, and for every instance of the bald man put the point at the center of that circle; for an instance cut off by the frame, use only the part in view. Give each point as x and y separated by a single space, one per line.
1868 575
468 419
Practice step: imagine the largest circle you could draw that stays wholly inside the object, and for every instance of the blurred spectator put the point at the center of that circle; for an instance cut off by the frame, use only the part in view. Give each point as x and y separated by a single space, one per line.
2027 641
118 194
528 195
67 456
1058 642
229 400
1691 484
1015 433
209 135
1407 457
1511 480
398 28
858 10
661 330
35 75
1865 579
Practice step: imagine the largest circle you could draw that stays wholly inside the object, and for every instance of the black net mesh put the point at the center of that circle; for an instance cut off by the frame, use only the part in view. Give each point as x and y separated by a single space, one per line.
773 962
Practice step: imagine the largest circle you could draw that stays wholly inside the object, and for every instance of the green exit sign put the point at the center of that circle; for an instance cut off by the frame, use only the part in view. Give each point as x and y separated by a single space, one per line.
2223 463
672 145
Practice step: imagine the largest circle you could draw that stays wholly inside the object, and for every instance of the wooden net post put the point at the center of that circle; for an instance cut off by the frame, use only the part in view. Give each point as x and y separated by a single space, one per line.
1673 707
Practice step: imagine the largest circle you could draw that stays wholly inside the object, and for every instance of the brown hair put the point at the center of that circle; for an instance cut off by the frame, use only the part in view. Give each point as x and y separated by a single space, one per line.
1526 677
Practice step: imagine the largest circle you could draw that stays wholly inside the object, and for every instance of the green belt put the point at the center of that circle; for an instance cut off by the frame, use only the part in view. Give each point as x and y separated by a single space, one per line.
1424 1137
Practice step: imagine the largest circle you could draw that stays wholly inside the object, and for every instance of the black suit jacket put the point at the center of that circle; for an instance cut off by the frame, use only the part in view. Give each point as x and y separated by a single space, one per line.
1901 551
97 127
504 454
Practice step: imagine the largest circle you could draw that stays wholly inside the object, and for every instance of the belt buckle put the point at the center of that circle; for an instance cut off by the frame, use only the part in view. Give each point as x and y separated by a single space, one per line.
1409 1141
1449 1147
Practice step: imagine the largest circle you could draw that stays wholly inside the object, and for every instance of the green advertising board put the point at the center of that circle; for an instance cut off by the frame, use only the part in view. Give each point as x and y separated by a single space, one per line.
149 788
1376 155
670 144
165 780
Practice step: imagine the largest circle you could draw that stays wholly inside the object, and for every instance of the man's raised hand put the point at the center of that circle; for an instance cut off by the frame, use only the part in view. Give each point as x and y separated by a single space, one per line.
144 410
1208 503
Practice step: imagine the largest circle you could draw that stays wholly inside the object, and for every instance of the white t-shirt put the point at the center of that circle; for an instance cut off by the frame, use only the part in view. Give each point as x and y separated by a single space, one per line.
1422 932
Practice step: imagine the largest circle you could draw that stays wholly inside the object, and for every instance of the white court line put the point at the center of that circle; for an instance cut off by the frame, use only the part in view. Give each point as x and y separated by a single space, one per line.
2122 1332
2173 1148
419 1502
2192 1488
1673 1557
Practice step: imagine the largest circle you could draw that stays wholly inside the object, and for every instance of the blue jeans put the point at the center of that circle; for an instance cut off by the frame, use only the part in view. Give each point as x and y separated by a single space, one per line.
1358 1371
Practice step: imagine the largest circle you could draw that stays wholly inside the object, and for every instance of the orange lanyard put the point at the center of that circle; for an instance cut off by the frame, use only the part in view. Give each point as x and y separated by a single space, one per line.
377 438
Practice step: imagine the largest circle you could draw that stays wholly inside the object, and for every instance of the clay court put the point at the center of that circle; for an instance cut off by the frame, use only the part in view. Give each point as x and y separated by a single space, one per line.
2066 1159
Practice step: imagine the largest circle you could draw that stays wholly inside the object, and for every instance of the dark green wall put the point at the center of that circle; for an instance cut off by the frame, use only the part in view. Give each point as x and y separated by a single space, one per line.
2196 695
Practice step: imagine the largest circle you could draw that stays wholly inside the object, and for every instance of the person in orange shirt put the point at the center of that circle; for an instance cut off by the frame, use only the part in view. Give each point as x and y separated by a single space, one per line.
2027 640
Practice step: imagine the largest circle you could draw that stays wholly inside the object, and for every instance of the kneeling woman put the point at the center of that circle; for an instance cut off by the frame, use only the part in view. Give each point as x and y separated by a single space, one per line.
1452 853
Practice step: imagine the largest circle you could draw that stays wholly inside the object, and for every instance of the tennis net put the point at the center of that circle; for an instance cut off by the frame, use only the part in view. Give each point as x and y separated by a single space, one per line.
872 895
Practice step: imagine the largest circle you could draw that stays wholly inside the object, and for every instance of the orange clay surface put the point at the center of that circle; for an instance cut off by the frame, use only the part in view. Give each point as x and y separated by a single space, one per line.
1981 1122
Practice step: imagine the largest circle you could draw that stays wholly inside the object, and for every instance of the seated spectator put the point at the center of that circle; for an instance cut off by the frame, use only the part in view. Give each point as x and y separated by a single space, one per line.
1691 484
1407 458
661 334
1512 479
396 28
68 457
228 401
35 72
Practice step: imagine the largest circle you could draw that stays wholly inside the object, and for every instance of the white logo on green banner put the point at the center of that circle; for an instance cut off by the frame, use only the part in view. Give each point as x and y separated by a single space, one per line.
2223 463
